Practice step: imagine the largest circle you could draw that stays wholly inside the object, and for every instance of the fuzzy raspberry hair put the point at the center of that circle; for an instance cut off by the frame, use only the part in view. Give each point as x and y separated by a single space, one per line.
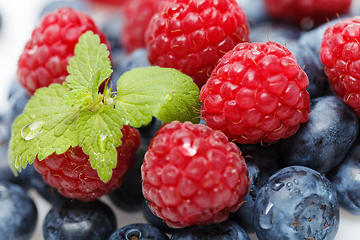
193 175
192 35
257 93
46 55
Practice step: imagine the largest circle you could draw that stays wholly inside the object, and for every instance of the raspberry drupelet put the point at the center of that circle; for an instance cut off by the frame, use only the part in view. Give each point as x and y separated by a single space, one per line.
46 55
71 172
192 35
193 175
257 93
340 54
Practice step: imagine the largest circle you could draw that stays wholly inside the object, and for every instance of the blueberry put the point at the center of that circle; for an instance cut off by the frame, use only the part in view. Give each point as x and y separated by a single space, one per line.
128 196
346 180
52 6
122 64
112 28
139 231
274 31
155 220
18 213
147 132
297 202
49 193
254 10
309 61
323 141
312 39
261 163
6 174
221 231
76 220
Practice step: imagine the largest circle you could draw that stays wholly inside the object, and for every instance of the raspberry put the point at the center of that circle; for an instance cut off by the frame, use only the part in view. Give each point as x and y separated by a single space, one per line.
192 35
73 176
137 15
306 13
340 54
193 175
46 55
256 94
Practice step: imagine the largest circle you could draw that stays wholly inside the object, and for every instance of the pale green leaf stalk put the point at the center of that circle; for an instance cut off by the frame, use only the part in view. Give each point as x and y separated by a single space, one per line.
77 114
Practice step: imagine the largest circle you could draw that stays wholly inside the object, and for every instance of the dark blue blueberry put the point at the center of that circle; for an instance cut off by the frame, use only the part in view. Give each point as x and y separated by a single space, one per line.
274 31
346 180
308 60
52 6
5 130
112 28
49 193
128 196
148 132
139 231
18 98
254 10
123 63
312 39
323 141
18 213
222 231
74 220
297 203
261 163
155 220
6 174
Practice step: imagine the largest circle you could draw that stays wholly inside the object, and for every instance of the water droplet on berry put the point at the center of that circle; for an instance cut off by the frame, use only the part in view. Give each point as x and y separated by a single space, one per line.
168 97
277 186
296 182
31 130
289 185
265 220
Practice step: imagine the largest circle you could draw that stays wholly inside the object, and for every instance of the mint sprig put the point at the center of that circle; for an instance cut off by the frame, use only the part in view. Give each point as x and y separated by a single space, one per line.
75 113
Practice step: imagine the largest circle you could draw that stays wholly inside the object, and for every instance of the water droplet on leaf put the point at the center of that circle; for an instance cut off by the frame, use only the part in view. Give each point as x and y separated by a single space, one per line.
31 130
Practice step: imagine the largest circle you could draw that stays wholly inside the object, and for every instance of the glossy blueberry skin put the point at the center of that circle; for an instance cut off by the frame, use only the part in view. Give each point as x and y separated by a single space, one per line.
297 203
221 231
18 213
262 163
112 28
345 178
323 141
75 220
254 10
274 31
155 220
310 63
139 231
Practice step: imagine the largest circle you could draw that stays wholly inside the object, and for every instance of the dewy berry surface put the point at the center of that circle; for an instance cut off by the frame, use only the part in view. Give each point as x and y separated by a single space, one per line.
191 36
193 175
71 173
340 54
257 93
46 54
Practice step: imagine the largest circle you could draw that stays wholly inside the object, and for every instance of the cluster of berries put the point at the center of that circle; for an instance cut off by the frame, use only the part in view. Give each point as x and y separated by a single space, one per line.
217 174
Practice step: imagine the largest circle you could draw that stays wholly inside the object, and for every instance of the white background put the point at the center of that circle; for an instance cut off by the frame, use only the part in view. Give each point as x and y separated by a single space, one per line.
19 18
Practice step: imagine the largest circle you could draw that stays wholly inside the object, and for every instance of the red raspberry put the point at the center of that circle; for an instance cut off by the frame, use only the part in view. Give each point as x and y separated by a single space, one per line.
193 175
137 15
340 54
192 35
306 13
73 176
256 94
46 55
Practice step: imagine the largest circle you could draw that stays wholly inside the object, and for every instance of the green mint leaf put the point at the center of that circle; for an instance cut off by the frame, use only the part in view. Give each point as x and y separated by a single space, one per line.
91 56
43 128
79 99
164 93
95 83
99 135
